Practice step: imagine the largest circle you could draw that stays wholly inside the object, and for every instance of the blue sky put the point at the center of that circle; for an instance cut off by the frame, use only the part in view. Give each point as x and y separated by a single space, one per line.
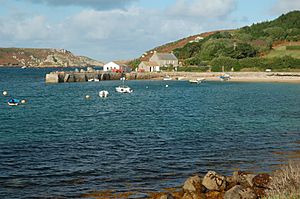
124 29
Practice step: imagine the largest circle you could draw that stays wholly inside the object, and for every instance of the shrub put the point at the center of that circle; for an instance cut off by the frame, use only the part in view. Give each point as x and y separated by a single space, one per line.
293 47
285 182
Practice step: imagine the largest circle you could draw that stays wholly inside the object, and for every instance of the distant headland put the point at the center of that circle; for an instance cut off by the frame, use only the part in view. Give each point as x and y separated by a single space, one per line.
35 57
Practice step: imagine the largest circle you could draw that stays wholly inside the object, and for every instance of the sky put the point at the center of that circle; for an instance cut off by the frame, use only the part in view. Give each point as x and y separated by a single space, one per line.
109 30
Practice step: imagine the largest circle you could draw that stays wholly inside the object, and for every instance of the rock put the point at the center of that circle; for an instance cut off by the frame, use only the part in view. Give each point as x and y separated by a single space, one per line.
167 196
234 193
214 195
214 182
262 180
193 195
237 192
52 78
193 184
248 193
242 178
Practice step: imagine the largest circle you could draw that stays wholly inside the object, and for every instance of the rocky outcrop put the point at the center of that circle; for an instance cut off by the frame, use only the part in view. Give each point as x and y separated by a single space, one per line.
240 185
43 58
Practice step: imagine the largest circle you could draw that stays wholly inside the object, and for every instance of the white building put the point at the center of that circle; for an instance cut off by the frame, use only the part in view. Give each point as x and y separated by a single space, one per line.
116 67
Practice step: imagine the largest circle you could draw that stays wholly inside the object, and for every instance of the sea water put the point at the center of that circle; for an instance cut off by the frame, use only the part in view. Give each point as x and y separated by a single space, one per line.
60 144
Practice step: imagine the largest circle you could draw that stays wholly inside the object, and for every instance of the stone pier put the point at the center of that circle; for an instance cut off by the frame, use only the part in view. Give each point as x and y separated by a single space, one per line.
71 76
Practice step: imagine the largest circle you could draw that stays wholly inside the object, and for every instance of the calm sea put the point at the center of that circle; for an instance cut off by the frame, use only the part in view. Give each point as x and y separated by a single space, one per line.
61 145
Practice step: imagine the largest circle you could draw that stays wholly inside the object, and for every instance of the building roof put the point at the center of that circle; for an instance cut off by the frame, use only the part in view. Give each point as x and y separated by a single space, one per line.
150 63
166 56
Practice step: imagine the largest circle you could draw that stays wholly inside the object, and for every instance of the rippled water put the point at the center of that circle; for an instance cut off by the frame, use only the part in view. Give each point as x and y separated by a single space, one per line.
62 145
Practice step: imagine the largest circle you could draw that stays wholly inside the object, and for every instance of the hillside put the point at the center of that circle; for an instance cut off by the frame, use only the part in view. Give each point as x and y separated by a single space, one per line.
254 43
32 57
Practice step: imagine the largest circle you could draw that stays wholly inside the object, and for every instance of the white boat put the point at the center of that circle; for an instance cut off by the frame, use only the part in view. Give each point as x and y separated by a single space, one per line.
225 77
123 88
103 94
24 67
197 81
167 78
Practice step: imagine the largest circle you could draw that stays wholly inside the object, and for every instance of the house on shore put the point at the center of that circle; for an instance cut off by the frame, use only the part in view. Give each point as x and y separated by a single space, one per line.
164 59
148 66
117 67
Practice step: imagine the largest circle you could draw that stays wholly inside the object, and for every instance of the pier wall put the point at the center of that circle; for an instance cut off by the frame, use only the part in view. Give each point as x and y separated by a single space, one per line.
70 76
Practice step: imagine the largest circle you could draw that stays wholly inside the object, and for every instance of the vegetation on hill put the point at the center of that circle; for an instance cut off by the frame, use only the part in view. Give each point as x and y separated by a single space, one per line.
271 44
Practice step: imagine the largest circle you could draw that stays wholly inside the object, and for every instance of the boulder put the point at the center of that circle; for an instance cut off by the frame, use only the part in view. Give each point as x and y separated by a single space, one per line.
214 182
237 192
193 184
167 196
193 195
242 178
234 192
248 193
262 180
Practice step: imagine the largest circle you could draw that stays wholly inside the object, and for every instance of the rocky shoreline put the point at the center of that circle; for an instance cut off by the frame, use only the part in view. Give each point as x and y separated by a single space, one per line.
241 185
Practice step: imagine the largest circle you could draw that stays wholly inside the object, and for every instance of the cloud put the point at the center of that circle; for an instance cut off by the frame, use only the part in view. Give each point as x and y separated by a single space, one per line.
95 4
106 34
203 8
283 6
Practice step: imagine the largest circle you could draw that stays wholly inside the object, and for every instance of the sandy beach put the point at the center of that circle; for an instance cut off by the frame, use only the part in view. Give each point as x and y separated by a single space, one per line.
283 77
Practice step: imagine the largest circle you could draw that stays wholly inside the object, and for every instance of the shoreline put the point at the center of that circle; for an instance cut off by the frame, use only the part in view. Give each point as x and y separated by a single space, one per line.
84 76
251 77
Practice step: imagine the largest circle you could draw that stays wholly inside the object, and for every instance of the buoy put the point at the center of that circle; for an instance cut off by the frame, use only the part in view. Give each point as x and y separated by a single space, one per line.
147 87
4 93
87 97
23 101
167 86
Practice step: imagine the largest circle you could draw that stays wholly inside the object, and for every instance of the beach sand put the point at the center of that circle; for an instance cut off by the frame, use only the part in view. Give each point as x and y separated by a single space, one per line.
283 77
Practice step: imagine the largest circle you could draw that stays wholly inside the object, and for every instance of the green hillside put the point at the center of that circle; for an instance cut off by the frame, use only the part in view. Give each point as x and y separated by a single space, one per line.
247 47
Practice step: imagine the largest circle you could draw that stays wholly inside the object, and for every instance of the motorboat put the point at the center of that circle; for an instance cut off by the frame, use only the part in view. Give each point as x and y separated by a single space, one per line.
13 102
103 94
197 81
167 78
123 88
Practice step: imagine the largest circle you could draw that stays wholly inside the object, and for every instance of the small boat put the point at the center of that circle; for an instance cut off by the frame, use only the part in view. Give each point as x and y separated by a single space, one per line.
167 78
103 94
24 67
197 81
225 77
13 102
123 88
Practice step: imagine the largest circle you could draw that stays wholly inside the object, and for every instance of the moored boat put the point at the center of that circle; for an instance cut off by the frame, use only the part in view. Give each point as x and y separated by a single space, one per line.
13 102
103 94
197 81
123 88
